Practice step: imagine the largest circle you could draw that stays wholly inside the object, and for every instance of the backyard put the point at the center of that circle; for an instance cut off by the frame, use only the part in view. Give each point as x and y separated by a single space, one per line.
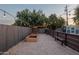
39 32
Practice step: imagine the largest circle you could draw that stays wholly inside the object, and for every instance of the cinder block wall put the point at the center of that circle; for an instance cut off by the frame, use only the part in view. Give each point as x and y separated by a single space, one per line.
11 35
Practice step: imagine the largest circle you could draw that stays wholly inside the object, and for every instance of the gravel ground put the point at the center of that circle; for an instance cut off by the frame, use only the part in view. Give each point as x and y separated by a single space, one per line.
46 45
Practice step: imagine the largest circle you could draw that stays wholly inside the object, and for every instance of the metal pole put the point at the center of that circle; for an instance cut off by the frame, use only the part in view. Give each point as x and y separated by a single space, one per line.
66 10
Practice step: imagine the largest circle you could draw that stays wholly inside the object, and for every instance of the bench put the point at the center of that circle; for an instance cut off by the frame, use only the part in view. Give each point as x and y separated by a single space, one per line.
60 39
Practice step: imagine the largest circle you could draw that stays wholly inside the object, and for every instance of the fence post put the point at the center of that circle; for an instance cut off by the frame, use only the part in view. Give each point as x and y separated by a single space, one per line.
57 34
65 39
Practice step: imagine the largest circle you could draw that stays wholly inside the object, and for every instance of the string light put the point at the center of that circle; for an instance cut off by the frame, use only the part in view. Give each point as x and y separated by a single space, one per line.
5 12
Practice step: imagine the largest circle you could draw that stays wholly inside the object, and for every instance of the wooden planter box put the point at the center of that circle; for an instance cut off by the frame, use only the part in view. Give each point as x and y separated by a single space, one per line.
31 38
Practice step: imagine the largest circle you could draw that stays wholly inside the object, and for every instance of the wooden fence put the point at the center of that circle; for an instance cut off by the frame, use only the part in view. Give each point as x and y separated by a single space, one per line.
71 40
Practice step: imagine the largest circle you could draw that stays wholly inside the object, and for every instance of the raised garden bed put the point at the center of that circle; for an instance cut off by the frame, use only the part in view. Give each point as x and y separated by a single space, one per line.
31 38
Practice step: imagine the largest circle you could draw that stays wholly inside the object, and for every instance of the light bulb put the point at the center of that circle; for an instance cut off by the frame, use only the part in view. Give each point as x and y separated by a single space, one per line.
4 14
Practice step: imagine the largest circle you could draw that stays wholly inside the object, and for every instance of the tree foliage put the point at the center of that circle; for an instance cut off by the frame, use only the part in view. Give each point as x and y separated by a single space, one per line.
76 18
37 18
55 22
30 18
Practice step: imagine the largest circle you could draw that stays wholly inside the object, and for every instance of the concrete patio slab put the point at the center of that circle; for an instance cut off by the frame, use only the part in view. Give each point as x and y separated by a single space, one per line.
45 45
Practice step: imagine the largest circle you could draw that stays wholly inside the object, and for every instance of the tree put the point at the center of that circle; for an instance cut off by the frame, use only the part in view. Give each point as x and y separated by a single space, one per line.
33 18
23 18
61 22
76 18
52 21
55 22
30 18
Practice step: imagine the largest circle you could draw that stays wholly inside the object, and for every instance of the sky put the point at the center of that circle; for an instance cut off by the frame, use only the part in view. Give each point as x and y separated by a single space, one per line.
48 9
